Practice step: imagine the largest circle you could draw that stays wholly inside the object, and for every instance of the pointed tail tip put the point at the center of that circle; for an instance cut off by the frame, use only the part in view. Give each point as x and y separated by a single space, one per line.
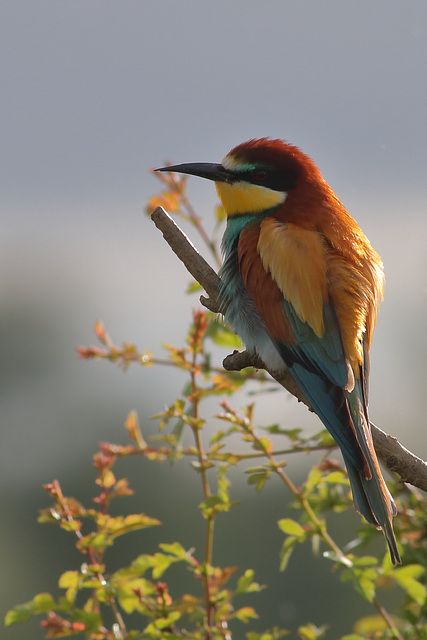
392 546
387 528
395 557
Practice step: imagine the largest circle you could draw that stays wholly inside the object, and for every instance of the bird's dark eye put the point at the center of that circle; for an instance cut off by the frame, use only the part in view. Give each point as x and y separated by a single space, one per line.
260 176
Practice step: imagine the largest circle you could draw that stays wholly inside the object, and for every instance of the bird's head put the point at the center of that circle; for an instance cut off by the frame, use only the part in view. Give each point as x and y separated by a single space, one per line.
255 176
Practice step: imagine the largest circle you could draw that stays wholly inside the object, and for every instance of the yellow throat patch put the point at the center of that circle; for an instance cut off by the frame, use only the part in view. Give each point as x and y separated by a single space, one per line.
243 197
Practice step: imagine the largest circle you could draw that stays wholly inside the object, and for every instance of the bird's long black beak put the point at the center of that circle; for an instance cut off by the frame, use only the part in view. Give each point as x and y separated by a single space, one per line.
215 172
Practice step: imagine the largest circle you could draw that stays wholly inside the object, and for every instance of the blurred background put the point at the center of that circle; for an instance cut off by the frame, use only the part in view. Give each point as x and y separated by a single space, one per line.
95 93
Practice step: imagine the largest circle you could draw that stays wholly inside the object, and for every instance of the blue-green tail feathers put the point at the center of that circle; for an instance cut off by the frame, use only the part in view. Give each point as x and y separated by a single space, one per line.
345 416
370 502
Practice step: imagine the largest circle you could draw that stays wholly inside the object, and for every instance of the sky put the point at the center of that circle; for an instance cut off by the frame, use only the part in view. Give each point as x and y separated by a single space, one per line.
94 94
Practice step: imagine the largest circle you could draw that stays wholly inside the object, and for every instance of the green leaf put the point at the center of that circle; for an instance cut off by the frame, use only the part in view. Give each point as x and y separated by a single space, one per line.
90 619
292 434
273 634
128 593
71 525
175 549
291 528
286 551
311 632
223 337
245 584
409 571
405 577
94 541
41 603
363 580
120 525
223 483
245 614
366 587
141 564
161 623
215 503
110 528
263 444
313 480
370 626
20 613
365 561
336 477
219 212
193 287
70 579
259 478
162 563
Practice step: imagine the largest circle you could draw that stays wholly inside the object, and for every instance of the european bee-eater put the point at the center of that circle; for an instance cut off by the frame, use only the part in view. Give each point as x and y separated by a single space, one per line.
301 285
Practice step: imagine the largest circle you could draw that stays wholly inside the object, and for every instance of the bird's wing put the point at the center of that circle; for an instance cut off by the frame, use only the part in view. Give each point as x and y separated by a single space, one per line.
283 269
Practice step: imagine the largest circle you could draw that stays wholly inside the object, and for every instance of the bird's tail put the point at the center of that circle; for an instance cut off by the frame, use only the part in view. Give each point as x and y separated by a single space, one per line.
371 496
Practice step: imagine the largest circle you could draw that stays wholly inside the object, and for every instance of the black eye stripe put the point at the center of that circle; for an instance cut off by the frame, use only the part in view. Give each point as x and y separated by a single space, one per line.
276 180
260 176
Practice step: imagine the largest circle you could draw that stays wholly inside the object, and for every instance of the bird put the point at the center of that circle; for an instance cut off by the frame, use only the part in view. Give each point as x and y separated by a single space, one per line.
301 285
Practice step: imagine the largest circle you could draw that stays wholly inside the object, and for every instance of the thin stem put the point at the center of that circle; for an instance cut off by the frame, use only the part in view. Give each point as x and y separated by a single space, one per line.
318 524
93 558
196 221
206 492
389 622
118 617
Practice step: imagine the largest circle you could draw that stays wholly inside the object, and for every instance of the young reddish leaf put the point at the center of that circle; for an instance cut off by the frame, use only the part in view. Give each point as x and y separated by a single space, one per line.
167 199
263 444
90 619
134 431
107 479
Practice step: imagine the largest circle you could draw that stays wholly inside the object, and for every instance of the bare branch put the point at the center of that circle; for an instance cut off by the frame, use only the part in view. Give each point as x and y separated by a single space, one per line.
397 458
187 253
241 359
